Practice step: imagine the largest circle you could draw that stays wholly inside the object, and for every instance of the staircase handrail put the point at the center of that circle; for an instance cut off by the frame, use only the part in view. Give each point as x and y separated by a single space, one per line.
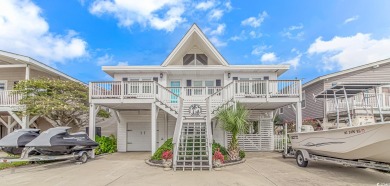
225 95
178 128
209 134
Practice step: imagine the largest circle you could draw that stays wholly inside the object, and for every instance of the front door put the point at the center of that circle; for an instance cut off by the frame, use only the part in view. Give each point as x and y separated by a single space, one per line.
139 136
175 88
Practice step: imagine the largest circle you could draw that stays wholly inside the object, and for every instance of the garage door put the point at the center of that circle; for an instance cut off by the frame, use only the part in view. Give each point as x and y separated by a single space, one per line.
138 136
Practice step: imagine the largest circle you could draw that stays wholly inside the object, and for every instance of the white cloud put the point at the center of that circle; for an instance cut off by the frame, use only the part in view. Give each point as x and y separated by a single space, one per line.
219 30
217 42
354 18
104 60
347 52
254 35
158 14
258 50
23 30
294 32
242 36
268 57
205 5
216 14
255 21
228 5
294 62
123 63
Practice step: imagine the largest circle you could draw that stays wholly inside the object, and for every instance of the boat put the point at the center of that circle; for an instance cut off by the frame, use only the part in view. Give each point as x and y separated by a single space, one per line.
58 141
14 142
360 138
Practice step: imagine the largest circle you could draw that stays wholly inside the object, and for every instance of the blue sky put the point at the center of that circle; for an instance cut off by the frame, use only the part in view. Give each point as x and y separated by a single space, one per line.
314 37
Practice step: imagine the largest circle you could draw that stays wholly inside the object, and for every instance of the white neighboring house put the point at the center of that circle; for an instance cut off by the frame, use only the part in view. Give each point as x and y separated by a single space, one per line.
14 68
181 97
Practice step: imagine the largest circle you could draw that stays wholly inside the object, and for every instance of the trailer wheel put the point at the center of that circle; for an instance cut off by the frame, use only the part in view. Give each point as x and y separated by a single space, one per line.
301 159
83 158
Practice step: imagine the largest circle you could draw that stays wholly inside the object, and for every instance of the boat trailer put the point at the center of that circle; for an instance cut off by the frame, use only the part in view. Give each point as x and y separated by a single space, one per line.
303 157
79 156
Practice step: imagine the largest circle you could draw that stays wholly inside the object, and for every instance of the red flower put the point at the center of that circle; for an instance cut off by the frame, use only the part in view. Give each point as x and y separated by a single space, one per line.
167 155
218 156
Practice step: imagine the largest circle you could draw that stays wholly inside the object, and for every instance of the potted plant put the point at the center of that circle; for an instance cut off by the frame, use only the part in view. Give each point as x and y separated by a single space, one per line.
218 159
167 159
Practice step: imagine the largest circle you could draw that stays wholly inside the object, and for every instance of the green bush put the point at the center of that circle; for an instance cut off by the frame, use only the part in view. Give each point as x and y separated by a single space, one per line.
242 154
168 145
106 144
222 149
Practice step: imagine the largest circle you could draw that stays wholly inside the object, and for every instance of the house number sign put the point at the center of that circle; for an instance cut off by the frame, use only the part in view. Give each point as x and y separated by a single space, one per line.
195 110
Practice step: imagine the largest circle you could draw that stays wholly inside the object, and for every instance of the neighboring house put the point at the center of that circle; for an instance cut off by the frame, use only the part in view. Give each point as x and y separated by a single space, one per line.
325 109
14 68
181 97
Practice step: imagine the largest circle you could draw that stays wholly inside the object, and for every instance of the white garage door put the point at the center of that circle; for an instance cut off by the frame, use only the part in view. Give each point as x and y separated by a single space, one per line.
139 136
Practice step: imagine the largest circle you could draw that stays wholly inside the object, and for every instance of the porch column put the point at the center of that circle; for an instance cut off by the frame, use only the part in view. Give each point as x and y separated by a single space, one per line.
153 127
27 72
91 130
25 122
299 117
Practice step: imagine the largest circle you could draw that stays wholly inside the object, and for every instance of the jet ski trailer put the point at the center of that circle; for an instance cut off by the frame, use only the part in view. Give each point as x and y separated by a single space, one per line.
80 156
361 143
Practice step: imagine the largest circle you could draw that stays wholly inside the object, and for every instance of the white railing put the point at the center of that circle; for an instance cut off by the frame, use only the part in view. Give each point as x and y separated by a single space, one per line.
122 89
358 102
10 97
220 98
267 88
166 96
177 132
194 93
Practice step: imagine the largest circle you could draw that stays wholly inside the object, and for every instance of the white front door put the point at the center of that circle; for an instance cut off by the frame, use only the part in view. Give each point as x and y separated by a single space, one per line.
139 136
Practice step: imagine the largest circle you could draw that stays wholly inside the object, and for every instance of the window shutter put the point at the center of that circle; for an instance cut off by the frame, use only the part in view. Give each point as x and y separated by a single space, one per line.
266 77
218 82
155 79
189 83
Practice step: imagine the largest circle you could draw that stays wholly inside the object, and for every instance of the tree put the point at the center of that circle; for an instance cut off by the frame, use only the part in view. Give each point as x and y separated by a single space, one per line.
62 102
234 120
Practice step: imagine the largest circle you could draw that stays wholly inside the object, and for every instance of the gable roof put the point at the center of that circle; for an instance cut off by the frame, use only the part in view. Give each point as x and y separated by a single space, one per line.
194 30
361 67
21 59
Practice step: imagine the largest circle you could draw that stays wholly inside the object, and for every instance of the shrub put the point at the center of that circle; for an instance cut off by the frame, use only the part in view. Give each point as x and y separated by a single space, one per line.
167 155
106 144
167 146
242 154
221 148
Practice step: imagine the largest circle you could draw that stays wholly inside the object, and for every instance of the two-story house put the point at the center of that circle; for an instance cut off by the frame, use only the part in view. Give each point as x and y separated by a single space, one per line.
325 109
14 68
181 97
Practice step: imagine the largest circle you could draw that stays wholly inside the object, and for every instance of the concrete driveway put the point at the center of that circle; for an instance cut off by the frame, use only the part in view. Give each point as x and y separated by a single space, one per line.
130 169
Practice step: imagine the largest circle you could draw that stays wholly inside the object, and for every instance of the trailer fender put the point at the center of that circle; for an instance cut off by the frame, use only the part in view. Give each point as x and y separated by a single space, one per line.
305 154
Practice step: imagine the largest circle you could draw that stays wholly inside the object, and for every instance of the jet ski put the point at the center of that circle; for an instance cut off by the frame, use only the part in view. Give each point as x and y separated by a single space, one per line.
58 141
14 142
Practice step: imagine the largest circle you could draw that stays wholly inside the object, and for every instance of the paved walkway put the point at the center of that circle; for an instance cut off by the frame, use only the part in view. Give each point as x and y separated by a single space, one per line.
130 169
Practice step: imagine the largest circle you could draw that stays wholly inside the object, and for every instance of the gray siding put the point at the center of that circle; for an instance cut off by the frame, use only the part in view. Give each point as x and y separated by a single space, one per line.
313 109
380 74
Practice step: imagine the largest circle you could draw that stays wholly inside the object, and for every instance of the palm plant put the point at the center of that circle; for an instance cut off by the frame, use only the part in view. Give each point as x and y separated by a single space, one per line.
234 120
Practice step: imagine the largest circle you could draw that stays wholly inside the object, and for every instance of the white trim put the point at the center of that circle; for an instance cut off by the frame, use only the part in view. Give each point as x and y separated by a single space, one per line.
376 64
194 29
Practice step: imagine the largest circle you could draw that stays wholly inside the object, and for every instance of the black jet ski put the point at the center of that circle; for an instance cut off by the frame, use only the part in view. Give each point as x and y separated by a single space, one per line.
58 141
14 142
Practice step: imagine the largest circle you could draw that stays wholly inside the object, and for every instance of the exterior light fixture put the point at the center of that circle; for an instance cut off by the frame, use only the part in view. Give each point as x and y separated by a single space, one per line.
161 75
229 75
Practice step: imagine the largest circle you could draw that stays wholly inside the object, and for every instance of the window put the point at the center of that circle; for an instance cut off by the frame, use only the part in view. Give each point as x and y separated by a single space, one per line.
195 59
3 85
266 77
211 85
281 110
198 91
303 103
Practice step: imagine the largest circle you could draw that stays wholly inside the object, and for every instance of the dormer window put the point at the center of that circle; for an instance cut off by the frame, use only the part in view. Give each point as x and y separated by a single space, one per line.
195 59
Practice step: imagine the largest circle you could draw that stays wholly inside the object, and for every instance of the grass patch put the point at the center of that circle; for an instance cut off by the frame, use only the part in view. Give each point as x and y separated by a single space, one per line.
13 164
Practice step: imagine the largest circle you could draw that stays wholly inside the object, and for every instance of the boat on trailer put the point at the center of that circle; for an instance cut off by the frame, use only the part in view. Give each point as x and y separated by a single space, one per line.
359 142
